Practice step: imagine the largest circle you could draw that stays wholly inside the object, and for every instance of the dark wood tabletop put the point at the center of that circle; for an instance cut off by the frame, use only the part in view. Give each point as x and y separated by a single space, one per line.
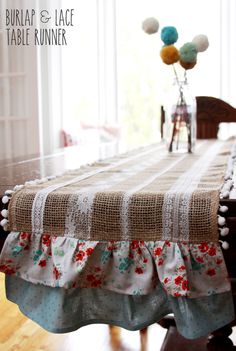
17 171
22 169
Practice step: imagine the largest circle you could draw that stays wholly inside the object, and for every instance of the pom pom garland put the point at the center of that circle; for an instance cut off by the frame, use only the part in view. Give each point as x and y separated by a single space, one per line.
224 244
4 213
223 209
150 25
221 220
3 222
5 199
224 231
225 194
201 42
169 35
188 52
18 187
169 54
9 192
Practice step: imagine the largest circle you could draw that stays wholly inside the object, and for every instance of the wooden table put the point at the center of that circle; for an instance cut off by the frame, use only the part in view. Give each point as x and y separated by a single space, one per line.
19 170
36 166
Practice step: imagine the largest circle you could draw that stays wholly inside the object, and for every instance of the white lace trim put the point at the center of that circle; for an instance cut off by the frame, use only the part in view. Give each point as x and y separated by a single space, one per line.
127 196
41 196
78 219
175 213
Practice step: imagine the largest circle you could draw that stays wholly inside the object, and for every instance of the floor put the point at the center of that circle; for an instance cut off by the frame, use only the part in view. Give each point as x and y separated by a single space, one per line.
17 333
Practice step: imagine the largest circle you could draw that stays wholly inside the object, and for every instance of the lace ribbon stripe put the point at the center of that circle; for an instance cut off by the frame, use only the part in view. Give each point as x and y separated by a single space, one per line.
147 192
41 196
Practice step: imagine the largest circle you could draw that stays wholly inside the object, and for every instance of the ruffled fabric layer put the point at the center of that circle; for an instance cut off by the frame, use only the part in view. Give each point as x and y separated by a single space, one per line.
64 310
131 268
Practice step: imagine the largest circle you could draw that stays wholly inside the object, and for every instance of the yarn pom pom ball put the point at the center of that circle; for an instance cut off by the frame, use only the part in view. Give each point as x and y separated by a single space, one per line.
169 54
188 52
187 65
150 25
169 35
201 42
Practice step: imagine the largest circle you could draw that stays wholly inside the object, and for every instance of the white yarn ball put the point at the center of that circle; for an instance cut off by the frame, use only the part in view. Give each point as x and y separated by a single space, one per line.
201 42
150 25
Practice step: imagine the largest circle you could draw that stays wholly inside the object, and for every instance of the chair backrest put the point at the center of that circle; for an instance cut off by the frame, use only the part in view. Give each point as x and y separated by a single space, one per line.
211 112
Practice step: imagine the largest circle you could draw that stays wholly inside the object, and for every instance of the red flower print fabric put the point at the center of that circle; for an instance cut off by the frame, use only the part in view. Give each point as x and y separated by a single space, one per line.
132 268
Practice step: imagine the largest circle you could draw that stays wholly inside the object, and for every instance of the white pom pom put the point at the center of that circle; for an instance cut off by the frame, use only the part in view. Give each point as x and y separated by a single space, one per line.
223 209
225 194
18 187
5 199
225 245
224 231
227 187
44 180
201 42
221 220
227 176
4 213
3 222
9 192
30 182
150 25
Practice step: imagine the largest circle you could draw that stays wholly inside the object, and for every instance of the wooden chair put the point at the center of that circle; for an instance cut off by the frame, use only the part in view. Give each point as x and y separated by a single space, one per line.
211 112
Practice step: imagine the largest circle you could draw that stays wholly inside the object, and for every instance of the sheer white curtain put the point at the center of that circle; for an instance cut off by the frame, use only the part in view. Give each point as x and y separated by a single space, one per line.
228 51
19 118
111 70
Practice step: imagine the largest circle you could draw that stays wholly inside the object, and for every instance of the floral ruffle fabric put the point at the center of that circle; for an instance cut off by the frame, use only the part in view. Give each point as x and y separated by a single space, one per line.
132 268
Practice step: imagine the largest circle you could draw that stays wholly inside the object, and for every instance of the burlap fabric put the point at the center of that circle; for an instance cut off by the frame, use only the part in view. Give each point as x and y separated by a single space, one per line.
147 194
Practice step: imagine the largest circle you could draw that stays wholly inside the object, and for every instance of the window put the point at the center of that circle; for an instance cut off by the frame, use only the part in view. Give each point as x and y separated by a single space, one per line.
112 72
19 118
108 83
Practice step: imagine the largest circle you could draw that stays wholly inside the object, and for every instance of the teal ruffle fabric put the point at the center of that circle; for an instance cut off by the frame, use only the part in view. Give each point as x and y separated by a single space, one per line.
61 310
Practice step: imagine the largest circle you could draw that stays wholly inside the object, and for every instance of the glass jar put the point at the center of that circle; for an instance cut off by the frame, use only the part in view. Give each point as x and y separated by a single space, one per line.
180 119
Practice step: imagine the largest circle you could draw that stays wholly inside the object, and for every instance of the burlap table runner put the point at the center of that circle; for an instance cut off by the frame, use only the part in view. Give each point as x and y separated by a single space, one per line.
146 194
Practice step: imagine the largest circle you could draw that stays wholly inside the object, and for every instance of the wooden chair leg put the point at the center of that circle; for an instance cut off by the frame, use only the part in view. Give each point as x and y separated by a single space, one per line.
219 340
115 339
143 339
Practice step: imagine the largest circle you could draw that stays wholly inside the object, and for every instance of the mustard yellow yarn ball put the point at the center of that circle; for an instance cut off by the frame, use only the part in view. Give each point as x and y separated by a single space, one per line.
169 54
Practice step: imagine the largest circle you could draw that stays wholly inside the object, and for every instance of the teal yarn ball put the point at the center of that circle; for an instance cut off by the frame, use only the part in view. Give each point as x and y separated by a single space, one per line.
169 35
188 52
